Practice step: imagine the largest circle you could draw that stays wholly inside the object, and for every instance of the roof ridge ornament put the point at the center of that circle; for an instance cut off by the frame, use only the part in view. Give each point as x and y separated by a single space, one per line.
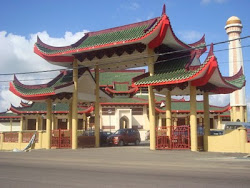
211 51
163 9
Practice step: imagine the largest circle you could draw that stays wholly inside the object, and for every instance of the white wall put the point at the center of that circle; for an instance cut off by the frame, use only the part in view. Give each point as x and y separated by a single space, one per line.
5 126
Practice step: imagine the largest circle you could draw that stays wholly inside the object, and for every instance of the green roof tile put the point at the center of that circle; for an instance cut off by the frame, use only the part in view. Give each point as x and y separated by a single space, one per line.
107 78
113 35
31 90
239 82
172 70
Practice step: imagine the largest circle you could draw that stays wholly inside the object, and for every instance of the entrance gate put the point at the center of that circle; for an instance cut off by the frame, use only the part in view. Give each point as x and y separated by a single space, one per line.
61 138
173 137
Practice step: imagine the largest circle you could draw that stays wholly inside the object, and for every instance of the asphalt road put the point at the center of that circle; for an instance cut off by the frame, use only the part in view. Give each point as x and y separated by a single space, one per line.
122 167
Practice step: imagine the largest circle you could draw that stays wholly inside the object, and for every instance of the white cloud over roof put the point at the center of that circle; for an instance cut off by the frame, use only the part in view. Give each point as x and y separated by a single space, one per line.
17 56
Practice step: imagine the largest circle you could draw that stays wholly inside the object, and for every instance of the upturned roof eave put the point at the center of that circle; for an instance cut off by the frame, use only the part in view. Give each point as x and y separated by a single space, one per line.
169 82
66 55
69 52
30 97
43 96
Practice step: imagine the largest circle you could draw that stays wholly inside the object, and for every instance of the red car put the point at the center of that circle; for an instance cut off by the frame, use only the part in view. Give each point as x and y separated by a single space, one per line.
124 136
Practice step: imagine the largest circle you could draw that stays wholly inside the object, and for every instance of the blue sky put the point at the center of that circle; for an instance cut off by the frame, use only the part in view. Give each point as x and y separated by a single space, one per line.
61 22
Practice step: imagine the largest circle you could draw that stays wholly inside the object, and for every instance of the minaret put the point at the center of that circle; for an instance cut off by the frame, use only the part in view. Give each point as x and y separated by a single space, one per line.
237 99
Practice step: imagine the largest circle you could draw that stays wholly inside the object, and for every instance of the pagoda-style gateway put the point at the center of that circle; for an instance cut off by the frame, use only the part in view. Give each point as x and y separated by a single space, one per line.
174 69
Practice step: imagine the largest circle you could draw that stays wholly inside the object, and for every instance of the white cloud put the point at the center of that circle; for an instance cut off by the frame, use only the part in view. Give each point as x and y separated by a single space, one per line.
17 55
190 36
219 100
213 1
132 6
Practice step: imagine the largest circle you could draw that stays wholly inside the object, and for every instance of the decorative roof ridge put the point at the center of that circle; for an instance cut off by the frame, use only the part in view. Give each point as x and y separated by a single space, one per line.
37 86
226 106
211 50
236 76
17 82
199 42
127 26
41 43
137 78
87 110
188 65
132 90
59 76
163 9
64 85
5 115
211 64
224 79
199 47
209 56
89 34
187 111
81 71
224 109
22 107
24 104
182 99
3 112
14 109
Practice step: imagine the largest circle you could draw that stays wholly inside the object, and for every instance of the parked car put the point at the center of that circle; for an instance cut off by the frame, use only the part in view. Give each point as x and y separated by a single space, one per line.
229 126
236 125
216 132
103 135
124 136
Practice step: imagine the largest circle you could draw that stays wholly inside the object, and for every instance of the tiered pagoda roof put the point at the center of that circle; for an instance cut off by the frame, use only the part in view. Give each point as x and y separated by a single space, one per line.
118 48
117 83
41 108
8 115
177 64
180 106
59 88
183 107
176 73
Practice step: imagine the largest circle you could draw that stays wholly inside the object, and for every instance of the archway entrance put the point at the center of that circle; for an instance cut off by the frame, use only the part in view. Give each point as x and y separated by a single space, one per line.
124 122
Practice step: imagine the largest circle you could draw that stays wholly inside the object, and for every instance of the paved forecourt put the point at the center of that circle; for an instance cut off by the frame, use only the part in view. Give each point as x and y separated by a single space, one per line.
131 166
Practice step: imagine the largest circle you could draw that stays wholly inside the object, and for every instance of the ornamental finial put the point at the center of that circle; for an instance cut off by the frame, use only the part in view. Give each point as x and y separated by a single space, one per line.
211 51
164 9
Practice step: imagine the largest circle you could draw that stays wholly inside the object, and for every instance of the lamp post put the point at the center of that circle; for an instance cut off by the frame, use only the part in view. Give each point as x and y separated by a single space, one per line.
109 112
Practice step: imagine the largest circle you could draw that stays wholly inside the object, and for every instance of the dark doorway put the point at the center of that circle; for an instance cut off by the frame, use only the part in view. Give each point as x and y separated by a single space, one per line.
62 123
124 122
31 124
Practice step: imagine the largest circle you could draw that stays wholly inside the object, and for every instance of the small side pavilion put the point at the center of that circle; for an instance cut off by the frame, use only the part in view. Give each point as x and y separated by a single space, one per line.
60 90
174 69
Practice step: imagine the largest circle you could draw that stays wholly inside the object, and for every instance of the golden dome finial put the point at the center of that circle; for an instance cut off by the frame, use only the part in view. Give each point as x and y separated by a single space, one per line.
233 20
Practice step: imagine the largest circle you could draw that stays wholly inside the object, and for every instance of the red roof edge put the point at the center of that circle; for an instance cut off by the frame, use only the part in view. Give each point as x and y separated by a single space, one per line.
132 90
199 42
29 97
237 75
88 110
164 9
63 59
24 104
157 41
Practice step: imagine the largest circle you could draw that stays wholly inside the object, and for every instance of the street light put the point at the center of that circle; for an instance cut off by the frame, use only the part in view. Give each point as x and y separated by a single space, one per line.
109 112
